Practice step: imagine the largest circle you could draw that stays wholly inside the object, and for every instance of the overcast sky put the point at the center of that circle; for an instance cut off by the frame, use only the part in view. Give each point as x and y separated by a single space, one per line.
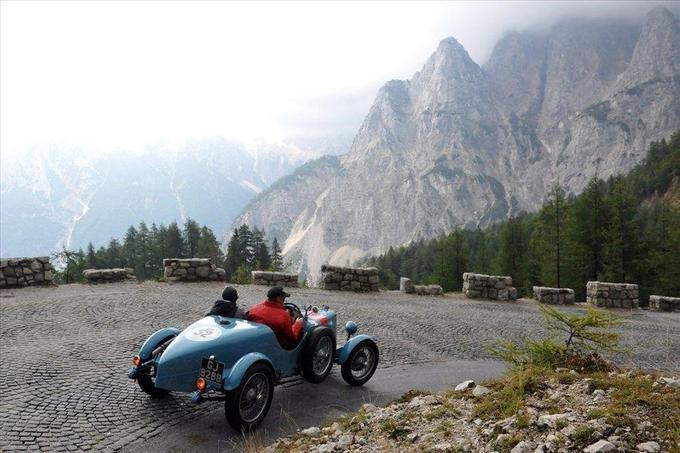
123 74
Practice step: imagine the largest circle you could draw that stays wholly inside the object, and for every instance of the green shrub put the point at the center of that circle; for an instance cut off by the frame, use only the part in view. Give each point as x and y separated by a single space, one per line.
242 276
586 336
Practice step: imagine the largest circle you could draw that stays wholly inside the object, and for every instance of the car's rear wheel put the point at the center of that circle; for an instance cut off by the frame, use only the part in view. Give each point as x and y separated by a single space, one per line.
361 363
247 405
318 354
148 384
147 381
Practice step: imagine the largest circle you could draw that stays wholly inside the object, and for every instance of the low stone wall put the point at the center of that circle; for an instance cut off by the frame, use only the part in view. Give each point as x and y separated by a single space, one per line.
275 279
558 296
25 271
116 274
620 295
191 269
663 303
349 279
488 286
429 290
407 286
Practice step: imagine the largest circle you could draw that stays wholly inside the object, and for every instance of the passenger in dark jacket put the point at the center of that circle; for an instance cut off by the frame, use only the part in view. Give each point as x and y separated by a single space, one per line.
227 305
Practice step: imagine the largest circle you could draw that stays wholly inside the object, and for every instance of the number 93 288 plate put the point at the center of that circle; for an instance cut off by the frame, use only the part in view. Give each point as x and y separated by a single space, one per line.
212 371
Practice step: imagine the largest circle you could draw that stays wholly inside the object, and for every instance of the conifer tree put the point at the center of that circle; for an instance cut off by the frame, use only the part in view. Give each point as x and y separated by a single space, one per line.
130 247
277 259
192 235
512 255
208 246
261 258
174 242
623 237
114 254
143 258
451 261
233 259
590 214
549 237
91 259
245 249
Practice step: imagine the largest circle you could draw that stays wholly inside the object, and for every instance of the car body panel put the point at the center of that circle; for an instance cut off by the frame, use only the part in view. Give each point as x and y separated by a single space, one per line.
227 340
154 340
345 350
239 369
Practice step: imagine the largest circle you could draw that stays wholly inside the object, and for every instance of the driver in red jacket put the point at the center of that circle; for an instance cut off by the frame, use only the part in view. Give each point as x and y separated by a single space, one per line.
272 313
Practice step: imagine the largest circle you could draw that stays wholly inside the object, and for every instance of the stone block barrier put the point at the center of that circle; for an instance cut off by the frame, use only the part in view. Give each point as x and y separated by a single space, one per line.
116 274
349 279
191 269
488 286
429 290
16 272
557 296
608 295
406 285
275 279
664 303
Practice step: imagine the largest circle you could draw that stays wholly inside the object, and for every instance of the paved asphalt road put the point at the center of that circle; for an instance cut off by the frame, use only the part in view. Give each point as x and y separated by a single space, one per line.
64 352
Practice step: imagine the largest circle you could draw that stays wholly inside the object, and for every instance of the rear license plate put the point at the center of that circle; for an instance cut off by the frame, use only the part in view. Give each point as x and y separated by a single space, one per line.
212 371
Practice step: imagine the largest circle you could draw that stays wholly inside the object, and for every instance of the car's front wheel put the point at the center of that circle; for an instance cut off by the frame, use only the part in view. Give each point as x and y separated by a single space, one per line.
318 355
361 363
247 405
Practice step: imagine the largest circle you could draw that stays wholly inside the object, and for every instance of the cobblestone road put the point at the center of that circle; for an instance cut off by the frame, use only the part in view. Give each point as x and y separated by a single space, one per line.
64 351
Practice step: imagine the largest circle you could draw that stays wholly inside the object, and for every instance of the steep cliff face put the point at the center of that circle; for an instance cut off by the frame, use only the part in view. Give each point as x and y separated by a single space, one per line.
464 145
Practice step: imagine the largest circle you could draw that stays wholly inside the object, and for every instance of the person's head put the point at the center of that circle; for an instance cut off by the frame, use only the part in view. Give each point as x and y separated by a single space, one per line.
277 294
230 293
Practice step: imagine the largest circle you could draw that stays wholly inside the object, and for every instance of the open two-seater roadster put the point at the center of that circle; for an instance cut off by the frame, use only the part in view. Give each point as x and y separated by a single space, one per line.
239 361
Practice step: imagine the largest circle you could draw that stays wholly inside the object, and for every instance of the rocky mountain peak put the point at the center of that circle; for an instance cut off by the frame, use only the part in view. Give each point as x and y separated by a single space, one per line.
657 52
449 62
660 16
461 145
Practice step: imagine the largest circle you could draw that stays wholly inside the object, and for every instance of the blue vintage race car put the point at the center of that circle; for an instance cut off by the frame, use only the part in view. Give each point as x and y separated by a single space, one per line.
239 362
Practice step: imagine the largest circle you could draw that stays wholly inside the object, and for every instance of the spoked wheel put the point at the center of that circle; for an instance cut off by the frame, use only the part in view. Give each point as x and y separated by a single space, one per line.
247 406
361 363
317 358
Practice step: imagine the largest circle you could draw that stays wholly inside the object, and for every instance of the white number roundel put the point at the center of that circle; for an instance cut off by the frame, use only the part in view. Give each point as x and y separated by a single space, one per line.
203 333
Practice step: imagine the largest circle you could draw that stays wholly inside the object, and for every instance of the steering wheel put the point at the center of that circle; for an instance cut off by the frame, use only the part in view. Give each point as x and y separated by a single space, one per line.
293 309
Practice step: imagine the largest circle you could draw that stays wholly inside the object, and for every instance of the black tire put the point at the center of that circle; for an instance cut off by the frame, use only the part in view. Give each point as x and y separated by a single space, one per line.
318 354
148 386
147 381
244 408
361 363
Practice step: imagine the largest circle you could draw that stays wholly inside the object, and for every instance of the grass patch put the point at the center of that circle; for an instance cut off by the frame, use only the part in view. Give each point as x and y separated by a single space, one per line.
636 393
445 427
597 413
394 430
522 420
507 444
353 422
583 433
508 396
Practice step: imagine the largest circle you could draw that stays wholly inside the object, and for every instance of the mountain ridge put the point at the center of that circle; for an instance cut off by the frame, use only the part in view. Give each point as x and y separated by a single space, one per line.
58 195
451 146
